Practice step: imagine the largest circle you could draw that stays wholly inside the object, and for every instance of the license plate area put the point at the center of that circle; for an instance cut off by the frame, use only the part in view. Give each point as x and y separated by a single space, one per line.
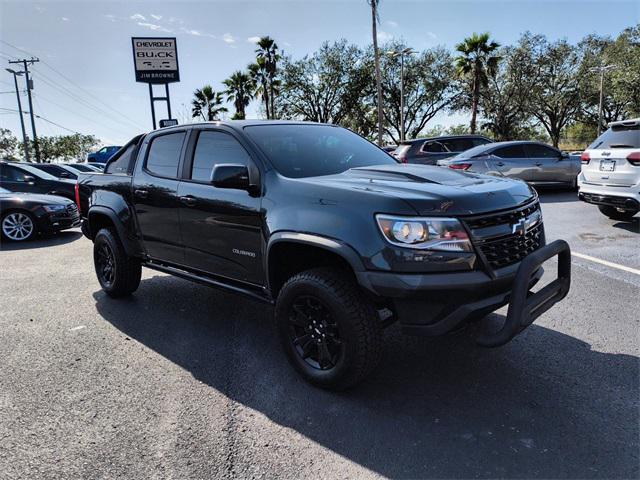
607 165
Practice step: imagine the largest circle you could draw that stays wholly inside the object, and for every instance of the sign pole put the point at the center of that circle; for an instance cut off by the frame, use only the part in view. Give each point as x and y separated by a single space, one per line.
153 109
166 91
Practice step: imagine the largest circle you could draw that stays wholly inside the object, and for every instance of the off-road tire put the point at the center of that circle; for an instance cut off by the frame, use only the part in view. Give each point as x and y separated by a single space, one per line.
124 277
357 323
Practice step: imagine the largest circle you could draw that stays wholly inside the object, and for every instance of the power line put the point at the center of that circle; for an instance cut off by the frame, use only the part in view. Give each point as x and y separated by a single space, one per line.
89 94
40 117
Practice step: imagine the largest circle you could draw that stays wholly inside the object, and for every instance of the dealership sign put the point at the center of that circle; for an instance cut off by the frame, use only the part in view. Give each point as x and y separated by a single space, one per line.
155 60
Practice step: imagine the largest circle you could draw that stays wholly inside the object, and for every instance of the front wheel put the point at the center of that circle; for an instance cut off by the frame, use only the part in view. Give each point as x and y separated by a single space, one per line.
330 332
18 226
118 274
614 214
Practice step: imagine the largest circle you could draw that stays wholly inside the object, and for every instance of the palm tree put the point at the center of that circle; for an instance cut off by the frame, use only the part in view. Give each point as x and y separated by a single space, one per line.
267 50
376 54
240 88
477 60
260 77
207 104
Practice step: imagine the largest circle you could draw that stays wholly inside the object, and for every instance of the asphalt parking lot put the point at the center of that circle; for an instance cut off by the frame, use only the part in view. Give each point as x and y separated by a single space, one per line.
181 381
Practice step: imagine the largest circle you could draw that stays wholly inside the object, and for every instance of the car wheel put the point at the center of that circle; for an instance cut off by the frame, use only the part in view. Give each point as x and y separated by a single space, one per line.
118 273
330 332
18 226
614 214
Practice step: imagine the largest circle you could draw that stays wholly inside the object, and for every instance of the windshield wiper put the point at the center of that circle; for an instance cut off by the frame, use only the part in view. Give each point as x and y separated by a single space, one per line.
620 145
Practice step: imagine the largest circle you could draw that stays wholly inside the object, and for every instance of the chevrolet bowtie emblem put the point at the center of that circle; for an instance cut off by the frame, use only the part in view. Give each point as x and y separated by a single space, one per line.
520 227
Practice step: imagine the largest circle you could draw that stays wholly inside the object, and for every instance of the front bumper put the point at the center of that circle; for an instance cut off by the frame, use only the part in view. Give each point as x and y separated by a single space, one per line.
55 223
435 304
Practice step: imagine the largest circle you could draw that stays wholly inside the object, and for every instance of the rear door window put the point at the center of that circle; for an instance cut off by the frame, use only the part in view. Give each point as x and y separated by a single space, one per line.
458 144
541 151
618 137
434 147
164 155
512 151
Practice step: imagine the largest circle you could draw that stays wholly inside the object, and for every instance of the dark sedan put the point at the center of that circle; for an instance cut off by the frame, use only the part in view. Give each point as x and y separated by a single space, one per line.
534 162
24 215
427 151
23 177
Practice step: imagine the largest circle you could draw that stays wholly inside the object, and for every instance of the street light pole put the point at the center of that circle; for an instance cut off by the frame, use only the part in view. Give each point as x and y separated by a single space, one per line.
24 132
601 69
401 54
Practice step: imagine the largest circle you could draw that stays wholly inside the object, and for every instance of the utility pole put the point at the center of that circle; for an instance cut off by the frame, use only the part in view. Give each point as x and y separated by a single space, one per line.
601 69
24 133
26 64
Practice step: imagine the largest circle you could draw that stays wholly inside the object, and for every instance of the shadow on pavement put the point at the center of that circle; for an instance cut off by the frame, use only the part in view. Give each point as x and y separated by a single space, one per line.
633 226
552 195
42 241
544 406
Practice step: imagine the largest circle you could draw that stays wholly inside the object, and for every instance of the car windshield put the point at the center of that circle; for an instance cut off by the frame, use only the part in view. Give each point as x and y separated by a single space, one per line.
299 151
618 137
82 168
37 173
474 152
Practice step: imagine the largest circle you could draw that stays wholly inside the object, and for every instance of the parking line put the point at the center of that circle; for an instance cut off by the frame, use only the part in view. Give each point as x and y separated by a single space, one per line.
605 262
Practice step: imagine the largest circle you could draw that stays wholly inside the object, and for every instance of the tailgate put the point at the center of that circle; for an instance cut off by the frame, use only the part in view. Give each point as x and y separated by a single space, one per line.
611 167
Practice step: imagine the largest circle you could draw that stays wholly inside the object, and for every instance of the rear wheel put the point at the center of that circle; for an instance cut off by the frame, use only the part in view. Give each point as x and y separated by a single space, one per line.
614 214
330 332
18 226
118 273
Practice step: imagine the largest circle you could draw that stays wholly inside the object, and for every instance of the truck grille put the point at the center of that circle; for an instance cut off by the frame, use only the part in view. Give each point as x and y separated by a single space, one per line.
508 237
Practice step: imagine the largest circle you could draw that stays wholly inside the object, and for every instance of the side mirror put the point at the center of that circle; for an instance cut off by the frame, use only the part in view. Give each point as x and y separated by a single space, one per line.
29 178
230 175
564 156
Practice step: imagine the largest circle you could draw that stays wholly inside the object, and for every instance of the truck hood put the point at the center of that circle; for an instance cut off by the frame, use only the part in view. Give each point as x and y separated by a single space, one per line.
434 190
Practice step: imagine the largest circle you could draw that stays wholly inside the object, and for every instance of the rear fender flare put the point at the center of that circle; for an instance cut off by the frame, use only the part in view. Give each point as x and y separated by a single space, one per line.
125 232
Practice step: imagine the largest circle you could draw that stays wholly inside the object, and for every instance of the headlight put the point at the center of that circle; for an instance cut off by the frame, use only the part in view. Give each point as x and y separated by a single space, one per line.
54 208
436 233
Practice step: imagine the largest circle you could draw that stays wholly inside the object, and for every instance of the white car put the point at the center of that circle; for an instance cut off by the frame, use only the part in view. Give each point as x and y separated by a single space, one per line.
610 174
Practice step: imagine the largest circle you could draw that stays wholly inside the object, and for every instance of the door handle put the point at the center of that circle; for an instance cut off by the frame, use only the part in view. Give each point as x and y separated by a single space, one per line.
189 200
141 193
500 164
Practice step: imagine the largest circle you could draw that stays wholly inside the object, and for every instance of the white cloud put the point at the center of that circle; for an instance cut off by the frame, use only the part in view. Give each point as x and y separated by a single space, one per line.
137 16
228 38
64 19
156 17
195 33
154 27
384 36
255 39
392 24
111 17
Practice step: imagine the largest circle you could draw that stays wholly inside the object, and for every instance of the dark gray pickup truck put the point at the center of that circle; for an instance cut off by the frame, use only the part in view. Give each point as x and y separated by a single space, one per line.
330 229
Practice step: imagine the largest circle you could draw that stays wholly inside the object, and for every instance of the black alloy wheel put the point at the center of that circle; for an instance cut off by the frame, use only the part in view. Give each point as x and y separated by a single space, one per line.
314 333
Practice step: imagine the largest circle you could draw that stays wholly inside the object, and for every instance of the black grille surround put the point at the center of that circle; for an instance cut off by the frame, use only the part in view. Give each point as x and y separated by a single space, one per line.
493 236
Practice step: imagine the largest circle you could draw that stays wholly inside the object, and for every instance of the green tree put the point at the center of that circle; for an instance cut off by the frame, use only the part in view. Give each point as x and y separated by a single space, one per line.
207 104
326 86
240 89
267 55
8 144
429 88
476 62
63 147
260 76
553 73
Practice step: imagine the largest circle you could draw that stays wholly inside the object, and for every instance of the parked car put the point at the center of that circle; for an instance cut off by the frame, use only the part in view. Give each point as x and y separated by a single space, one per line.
610 175
427 151
24 215
534 162
390 148
327 227
83 167
24 177
103 155
57 170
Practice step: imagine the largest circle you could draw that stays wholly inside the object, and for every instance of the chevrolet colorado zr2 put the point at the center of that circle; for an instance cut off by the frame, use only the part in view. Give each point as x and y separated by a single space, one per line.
335 233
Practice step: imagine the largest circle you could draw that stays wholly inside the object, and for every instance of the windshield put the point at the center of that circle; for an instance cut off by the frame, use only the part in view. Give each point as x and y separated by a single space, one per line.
618 137
299 151
37 173
82 168
474 152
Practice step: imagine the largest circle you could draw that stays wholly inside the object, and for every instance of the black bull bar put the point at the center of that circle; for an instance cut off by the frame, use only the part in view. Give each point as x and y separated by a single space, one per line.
525 306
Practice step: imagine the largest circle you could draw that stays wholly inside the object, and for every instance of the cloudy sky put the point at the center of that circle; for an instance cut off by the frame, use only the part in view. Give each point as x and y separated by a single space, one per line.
85 80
